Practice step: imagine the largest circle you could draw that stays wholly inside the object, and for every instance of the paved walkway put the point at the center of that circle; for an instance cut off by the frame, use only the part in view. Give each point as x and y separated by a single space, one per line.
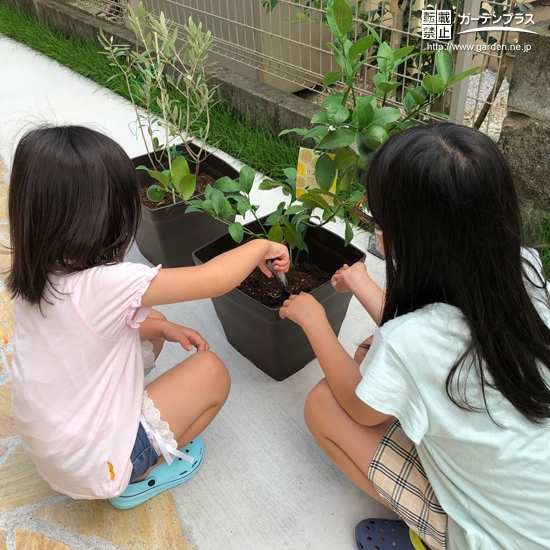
264 484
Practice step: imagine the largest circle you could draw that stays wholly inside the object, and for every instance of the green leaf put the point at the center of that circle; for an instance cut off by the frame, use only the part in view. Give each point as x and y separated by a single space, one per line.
444 64
442 115
385 60
292 210
373 32
399 54
384 115
246 179
331 77
332 97
297 239
217 199
348 235
236 232
227 185
275 234
290 174
377 78
339 56
266 185
374 137
365 154
316 131
314 200
155 193
341 17
159 176
342 137
288 237
388 87
325 171
345 180
457 77
274 217
227 210
410 102
364 112
433 84
419 94
243 207
360 47
345 158
186 186
180 168
337 114
319 118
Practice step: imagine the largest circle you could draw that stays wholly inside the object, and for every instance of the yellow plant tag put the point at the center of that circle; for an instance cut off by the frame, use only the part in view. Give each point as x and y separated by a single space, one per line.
305 172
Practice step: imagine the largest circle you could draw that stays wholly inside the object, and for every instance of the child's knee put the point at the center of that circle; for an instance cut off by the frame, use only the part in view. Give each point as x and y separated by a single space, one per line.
316 401
216 371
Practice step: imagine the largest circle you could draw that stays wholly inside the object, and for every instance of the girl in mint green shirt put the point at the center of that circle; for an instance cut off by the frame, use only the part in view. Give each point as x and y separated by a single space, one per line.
446 420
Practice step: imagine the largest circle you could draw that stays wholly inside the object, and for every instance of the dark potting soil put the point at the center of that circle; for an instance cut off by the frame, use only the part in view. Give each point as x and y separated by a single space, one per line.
307 277
202 181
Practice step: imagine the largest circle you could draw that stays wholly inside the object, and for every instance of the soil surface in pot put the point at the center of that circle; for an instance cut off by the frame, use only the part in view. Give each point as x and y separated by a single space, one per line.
307 277
202 181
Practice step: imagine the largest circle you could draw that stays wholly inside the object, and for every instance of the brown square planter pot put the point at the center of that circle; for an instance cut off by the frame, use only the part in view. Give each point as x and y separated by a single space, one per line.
278 346
167 235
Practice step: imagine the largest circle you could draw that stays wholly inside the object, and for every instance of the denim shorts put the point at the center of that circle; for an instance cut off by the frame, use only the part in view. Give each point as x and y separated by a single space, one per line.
143 454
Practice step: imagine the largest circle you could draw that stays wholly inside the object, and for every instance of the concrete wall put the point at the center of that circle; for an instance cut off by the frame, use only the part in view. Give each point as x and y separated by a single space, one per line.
525 137
256 99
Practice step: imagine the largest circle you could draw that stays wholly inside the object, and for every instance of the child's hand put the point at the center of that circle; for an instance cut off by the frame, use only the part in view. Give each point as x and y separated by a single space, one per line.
279 254
302 308
187 337
347 278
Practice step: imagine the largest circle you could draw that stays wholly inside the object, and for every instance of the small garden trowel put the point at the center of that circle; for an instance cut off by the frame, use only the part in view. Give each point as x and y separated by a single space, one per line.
282 280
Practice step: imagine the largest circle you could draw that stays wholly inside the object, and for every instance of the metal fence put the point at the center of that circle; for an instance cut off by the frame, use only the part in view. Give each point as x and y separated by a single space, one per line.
287 47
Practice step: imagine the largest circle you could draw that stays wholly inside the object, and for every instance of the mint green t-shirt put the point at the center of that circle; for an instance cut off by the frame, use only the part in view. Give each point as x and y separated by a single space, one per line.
492 480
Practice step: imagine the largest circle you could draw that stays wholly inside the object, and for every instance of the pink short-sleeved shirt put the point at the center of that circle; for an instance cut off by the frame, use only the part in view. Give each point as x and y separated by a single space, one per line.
78 378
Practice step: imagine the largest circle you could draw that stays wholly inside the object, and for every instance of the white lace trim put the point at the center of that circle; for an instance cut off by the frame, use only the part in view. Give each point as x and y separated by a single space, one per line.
152 422
148 356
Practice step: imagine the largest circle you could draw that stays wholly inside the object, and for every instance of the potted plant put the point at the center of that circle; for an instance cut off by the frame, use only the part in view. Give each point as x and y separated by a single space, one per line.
252 327
166 79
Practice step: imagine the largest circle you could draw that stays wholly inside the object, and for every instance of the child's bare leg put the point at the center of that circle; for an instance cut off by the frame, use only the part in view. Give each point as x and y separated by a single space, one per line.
349 445
190 395
158 343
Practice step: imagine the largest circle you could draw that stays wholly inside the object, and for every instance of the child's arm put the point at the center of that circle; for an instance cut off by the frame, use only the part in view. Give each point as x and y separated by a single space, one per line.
216 277
341 371
152 328
357 280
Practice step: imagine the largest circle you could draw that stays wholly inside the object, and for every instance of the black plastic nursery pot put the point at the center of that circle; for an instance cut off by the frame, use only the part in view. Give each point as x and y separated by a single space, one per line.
278 346
167 235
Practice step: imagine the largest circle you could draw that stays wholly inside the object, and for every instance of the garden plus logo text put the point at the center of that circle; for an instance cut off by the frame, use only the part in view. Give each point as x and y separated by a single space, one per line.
437 24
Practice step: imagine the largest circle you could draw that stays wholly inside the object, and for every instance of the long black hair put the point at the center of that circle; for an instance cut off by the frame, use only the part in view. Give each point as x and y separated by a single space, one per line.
445 199
73 204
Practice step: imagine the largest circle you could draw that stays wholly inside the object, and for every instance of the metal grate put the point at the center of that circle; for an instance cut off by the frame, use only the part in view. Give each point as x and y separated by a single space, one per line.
287 47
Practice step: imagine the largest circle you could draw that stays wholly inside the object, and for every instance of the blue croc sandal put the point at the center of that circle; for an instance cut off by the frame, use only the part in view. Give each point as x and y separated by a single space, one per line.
392 534
162 477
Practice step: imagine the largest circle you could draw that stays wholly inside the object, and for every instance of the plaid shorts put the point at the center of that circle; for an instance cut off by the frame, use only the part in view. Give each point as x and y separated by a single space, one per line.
397 474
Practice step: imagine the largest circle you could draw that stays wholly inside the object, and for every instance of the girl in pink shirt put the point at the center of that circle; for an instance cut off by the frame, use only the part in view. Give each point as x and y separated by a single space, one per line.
85 324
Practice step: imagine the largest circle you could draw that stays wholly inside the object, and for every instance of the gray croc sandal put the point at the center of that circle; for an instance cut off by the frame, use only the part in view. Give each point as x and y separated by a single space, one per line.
390 534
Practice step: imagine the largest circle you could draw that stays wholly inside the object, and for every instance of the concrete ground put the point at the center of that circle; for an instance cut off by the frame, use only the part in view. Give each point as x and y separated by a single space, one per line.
264 483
